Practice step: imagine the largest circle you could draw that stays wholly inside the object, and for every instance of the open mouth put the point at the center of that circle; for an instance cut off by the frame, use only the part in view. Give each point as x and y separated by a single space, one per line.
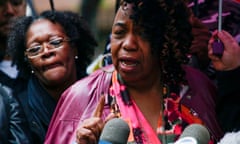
129 63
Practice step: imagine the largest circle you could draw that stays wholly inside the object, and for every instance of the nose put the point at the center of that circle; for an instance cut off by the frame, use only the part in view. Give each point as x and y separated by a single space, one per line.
130 43
47 51
9 9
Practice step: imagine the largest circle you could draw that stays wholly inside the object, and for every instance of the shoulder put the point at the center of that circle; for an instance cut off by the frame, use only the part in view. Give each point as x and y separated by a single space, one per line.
12 119
201 98
5 100
4 119
86 91
96 80
193 72
78 102
4 106
197 78
201 87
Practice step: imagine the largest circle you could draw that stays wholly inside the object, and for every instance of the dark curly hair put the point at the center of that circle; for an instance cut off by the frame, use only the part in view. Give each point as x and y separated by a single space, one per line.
74 27
166 26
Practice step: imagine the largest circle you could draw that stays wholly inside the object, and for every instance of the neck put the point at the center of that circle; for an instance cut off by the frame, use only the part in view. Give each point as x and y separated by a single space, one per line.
146 84
149 100
57 90
55 93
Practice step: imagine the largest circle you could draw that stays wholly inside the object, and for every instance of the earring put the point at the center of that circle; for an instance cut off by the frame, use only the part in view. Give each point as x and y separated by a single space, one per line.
32 71
76 57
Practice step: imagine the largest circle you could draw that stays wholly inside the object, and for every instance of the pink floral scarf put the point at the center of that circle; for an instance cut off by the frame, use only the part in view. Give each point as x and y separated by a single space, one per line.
170 124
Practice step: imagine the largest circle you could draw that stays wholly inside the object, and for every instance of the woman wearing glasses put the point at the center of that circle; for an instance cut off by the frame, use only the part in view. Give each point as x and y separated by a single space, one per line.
53 51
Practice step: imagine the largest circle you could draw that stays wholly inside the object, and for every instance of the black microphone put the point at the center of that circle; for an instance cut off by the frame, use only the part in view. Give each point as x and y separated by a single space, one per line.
115 131
194 134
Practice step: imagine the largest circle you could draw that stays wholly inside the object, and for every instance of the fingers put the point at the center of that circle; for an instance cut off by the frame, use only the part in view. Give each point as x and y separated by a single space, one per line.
110 116
99 109
85 136
95 125
89 131
210 43
230 58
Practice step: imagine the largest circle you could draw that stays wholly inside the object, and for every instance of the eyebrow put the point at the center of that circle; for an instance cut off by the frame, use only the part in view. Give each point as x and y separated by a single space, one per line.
119 24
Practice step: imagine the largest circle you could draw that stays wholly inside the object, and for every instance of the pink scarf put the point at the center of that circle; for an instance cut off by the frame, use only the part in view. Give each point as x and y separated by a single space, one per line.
141 131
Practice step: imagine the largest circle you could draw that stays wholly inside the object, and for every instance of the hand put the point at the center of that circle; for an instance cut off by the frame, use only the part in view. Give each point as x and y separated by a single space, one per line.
90 129
231 55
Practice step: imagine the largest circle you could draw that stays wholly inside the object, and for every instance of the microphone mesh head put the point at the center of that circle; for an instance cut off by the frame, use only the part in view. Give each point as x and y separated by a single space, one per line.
197 131
115 131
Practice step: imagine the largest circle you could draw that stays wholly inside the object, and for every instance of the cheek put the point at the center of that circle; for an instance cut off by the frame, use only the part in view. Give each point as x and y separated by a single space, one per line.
35 64
115 46
114 52
113 49
70 63
67 56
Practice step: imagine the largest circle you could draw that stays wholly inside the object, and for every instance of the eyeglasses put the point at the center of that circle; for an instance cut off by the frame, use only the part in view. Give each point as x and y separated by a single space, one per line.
36 50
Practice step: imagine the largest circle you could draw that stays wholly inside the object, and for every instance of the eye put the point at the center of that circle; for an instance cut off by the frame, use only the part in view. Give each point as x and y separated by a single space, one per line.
34 50
118 32
56 42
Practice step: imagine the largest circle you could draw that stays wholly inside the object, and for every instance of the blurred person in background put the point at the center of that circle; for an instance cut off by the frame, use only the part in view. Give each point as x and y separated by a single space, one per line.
207 12
89 10
10 78
52 50
13 124
228 80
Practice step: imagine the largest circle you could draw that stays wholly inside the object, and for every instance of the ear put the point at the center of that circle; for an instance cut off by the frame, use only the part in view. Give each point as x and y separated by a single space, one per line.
28 63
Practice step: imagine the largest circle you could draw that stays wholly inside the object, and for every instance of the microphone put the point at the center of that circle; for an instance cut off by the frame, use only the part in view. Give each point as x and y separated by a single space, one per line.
115 131
230 138
194 134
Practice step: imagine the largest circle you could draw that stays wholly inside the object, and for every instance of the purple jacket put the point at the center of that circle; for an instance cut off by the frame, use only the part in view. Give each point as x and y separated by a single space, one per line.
79 101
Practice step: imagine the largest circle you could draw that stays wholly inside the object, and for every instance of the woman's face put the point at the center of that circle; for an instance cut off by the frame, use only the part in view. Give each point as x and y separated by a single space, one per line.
50 54
131 54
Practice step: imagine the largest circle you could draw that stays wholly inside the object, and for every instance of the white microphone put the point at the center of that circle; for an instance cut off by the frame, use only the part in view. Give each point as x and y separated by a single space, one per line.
230 138
115 131
194 134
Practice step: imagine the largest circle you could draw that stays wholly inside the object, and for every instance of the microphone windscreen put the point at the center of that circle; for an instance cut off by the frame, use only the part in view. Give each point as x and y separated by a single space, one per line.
115 131
230 138
198 132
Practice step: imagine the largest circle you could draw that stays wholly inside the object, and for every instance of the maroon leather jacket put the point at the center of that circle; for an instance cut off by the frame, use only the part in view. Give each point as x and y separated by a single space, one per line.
79 101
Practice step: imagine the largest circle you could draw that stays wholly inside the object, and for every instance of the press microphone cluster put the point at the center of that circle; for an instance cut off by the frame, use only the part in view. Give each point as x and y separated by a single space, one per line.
115 131
194 134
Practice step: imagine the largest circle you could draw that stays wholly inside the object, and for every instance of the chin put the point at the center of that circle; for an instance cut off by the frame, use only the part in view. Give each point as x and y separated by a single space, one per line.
55 76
